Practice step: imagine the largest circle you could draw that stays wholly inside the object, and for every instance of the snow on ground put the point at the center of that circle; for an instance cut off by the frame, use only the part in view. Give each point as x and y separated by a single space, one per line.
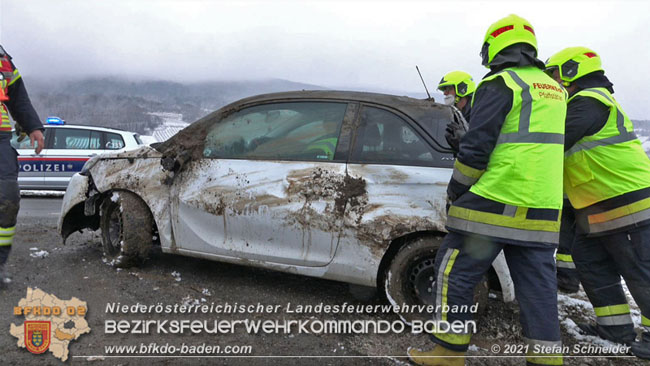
645 142
177 276
189 300
634 308
172 123
578 304
148 140
475 348
33 193
35 253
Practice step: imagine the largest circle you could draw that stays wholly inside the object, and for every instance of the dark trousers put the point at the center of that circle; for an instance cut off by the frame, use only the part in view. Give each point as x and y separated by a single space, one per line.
9 194
566 270
462 261
601 261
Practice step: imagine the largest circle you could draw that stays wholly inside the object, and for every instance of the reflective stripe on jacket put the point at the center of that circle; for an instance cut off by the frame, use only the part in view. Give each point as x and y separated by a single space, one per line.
524 173
8 76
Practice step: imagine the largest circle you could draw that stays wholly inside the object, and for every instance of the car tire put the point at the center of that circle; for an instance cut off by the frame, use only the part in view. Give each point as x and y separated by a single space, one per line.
126 226
410 278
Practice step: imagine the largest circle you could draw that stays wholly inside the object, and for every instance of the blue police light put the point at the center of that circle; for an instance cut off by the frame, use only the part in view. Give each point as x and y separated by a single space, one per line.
54 121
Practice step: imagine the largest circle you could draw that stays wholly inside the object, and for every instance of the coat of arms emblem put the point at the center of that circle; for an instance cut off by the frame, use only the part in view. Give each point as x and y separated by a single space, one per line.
37 336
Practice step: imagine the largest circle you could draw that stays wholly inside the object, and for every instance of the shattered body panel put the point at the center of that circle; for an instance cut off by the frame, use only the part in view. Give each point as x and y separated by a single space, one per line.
76 193
399 200
75 196
140 172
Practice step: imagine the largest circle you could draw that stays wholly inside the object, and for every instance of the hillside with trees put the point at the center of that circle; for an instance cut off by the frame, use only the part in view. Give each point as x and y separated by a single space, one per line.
125 104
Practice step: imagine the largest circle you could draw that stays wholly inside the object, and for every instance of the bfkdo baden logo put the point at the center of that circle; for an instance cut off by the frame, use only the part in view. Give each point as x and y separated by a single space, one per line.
37 335
50 323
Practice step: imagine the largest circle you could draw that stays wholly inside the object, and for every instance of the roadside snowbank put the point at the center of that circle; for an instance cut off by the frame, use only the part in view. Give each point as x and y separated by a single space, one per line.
35 193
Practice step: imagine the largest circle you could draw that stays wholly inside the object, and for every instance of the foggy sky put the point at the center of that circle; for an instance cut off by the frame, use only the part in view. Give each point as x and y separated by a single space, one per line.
367 45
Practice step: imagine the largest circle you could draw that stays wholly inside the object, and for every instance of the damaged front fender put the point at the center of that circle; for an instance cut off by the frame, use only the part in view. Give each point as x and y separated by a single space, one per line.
72 216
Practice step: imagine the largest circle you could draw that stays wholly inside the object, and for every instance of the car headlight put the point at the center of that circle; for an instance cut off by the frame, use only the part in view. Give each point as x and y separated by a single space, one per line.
89 165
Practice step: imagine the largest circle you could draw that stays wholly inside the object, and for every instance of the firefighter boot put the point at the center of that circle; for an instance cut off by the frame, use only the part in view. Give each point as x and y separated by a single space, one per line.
641 349
617 334
438 356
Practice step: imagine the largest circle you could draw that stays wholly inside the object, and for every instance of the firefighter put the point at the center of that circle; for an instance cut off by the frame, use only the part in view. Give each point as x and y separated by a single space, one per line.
607 180
14 100
506 194
458 88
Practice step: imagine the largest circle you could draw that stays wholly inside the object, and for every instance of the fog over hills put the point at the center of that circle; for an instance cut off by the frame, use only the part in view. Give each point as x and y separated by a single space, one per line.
126 104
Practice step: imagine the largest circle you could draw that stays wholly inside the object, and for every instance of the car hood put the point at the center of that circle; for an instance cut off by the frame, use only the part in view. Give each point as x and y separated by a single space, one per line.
142 152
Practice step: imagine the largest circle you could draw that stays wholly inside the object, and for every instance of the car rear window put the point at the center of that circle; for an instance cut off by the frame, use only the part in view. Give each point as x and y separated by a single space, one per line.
385 138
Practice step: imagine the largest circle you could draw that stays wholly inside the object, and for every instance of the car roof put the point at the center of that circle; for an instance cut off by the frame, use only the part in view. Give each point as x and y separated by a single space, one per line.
384 99
87 127
429 114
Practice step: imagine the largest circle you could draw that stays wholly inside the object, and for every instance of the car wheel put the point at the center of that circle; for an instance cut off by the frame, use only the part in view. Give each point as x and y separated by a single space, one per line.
410 279
127 225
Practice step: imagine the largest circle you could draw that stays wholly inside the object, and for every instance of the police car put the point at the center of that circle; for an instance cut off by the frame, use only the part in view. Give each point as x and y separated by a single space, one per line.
66 150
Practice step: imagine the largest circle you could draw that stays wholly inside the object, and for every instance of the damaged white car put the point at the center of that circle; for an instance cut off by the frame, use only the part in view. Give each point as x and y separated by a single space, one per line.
346 186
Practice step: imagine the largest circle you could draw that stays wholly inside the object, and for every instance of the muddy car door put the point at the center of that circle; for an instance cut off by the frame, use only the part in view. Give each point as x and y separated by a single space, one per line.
405 179
265 188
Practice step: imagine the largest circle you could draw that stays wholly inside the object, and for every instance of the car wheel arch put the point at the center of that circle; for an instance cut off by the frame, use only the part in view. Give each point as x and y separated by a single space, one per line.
393 248
109 193
499 269
134 230
76 220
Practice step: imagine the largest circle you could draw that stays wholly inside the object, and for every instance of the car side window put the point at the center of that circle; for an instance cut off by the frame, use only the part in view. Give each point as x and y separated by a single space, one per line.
113 141
283 131
385 138
95 140
70 138
26 143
